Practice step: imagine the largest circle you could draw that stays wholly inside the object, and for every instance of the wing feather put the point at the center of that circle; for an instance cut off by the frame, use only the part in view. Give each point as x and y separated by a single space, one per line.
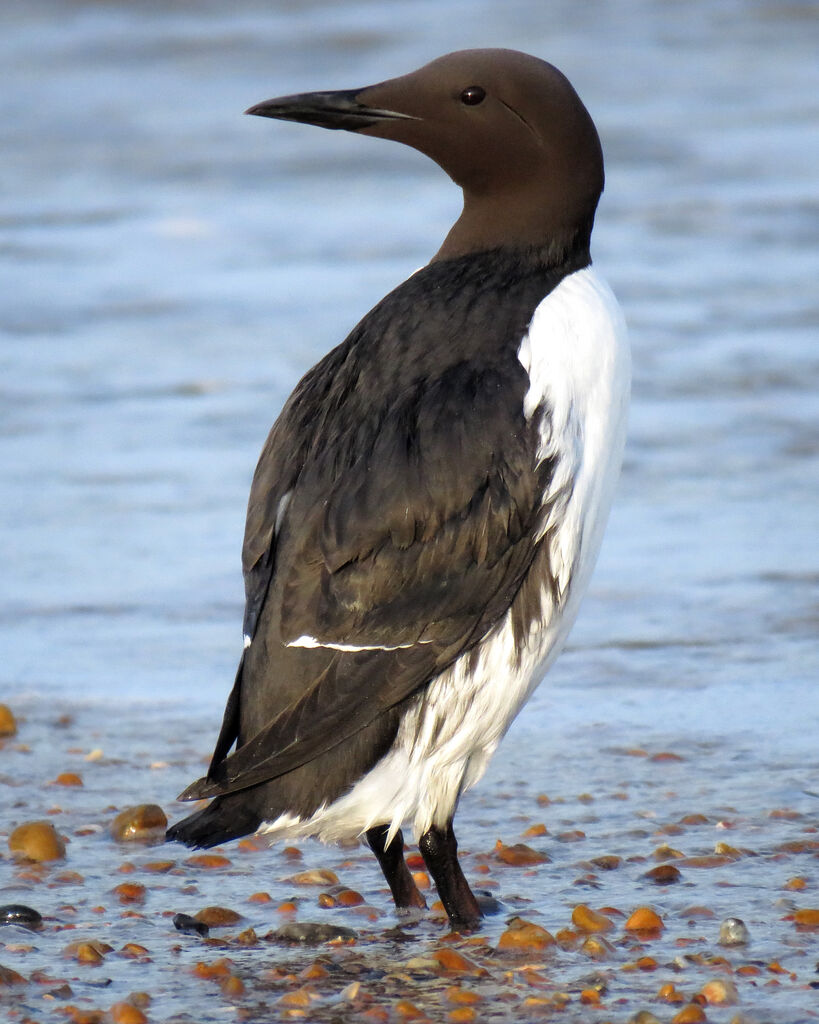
412 493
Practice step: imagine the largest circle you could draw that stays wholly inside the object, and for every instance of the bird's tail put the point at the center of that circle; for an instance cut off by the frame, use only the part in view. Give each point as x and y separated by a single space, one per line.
222 820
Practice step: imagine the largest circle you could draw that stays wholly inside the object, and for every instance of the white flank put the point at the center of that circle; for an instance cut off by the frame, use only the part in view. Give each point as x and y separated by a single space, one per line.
576 356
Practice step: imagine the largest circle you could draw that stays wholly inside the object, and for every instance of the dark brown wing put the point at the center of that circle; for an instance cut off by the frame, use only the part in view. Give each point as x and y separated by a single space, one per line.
392 519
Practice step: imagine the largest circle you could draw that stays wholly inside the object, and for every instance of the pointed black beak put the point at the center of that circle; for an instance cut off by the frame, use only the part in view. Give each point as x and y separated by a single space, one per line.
340 109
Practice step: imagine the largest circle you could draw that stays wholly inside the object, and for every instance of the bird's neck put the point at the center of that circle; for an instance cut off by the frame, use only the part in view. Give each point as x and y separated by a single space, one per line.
555 237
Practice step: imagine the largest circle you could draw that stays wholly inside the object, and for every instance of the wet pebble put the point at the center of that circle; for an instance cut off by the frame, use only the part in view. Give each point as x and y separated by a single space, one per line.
133 951
130 892
645 920
127 1013
210 861
453 962
144 823
808 917
519 855
8 723
37 841
316 876
608 862
310 933
691 1014
87 951
19 914
524 935
10 977
597 948
217 917
68 779
190 926
663 874
589 920
720 992
733 932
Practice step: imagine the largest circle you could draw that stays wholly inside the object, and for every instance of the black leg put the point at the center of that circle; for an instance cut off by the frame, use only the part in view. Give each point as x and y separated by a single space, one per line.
391 858
439 849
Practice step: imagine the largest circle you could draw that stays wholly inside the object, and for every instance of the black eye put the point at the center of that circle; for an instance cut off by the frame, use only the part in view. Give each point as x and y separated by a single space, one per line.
473 95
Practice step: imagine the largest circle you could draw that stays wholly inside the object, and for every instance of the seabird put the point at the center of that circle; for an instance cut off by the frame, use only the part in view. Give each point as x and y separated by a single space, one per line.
428 507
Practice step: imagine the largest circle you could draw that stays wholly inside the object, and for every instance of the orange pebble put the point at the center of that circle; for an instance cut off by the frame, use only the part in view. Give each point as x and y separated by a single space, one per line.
590 996
130 892
567 939
316 876
409 1011
524 935
232 985
669 994
720 992
644 919
421 879
589 920
126 1013
260 897
208 860
37 841
133 950
645 963
806 918
300 997
464 996
462 1015
519 855
217 969
144 823
691 1014
535 830
68 779
314 971
454 962
88 954
288 907
8 723
349 898
159 867
217 917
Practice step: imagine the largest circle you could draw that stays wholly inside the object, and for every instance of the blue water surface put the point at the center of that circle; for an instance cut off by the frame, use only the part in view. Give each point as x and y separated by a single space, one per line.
170 268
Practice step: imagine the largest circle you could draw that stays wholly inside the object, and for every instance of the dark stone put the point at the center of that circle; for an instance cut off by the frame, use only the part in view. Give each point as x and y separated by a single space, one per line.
310 934
190 926
19 914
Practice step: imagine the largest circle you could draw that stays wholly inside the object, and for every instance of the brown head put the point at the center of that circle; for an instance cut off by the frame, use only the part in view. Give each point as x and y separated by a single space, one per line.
505 126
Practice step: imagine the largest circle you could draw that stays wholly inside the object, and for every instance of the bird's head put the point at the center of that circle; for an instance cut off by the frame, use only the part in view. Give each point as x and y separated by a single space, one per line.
505 126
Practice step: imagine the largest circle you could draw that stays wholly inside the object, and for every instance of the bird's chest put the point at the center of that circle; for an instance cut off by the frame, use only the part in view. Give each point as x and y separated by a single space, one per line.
576 358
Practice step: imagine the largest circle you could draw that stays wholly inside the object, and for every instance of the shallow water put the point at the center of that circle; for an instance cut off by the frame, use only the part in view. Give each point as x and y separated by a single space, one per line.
171 268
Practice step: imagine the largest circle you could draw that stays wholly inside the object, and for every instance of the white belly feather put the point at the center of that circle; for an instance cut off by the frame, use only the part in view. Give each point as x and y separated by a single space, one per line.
576 356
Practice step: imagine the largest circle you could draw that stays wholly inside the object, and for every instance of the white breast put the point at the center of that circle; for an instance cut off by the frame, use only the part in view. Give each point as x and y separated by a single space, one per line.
576 356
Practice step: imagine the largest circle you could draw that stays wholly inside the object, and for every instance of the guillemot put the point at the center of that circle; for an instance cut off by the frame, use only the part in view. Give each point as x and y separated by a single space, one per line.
428 507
